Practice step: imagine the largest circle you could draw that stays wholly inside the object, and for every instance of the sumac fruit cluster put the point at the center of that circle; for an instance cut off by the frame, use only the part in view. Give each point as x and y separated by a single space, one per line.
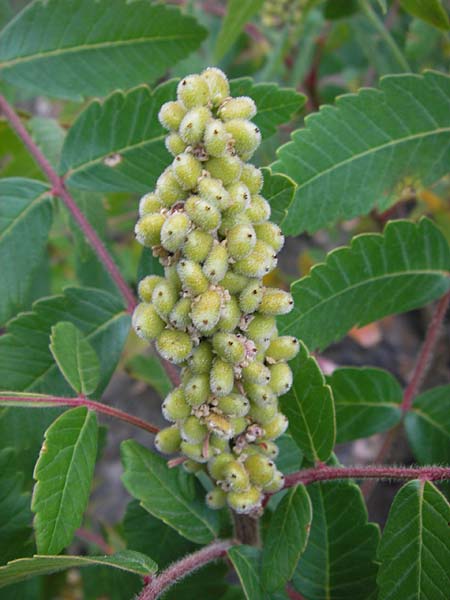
211 312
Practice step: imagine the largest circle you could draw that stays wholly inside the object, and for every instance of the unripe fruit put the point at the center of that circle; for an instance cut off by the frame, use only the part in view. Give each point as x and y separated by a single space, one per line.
168 189
276 484
174 144
174 231
280 378
218 464
192 277
214 192
240 197
260 394
251 296
193 125
259 210
269 449
227 168
236 476
283 348
241 240
218 444
239 424
197 245
220 425
219 88
203 214
206 310
229 347
193 91
230 220
241 107
245 502
164 298
261 330
216 138
174 346
192 431
230 315
256 372
147 285
234 405
197 390
201 359
261 469
195 452
276 427
192 466
263 414
252 177
276 302
148 204
246 136
216 498
233 282
175 406
171 275
180 315
168 440
222 377
148 229
171 115
258 263
187 170
146 321
271 234
216 265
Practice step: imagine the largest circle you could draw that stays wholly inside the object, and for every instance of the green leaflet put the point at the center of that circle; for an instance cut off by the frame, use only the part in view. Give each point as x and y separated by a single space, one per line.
310 409
427 425
238 13
26 363
63 476
339 560
357 154
168 494
378 275
60 56
25 568
430 11
25 221
366 400
247 563
286 538
75 357
415 547
278 190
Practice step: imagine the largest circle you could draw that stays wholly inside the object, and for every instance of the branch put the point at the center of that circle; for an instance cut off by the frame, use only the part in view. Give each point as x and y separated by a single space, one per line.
59 189
426 353
47 401
184 567
94 538
307 476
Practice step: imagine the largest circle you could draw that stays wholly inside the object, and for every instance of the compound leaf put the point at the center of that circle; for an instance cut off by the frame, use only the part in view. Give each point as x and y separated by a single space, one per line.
415 547
63 475
49 50
25 568
378 275
366 400
427 425
354 156
309 408
25 221
170 495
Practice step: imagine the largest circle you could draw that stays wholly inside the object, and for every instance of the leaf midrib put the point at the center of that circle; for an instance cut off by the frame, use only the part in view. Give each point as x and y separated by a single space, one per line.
429 420
23 213
369 281
89 47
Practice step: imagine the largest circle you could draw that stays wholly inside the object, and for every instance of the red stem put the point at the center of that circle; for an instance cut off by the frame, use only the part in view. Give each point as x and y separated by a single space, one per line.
183 567
426 352
81 401
59 189
94 538
308 476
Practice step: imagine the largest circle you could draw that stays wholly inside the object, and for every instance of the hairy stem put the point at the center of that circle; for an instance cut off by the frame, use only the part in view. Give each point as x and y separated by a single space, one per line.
183 567
47 401
308 476
385 34
426 352
59 189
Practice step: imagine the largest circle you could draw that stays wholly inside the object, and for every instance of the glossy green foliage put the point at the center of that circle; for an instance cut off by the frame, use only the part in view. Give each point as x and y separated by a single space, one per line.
415 563
351 157
378 275
63 476
88 61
